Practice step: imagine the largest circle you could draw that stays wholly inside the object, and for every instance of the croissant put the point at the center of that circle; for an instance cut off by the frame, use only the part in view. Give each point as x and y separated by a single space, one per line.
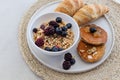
89 13
69 7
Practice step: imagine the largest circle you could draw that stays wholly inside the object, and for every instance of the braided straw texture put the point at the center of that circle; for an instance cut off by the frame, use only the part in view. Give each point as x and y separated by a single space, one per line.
109 70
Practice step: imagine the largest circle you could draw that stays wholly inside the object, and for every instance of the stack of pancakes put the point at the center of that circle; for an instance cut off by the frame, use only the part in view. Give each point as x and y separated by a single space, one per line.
91 47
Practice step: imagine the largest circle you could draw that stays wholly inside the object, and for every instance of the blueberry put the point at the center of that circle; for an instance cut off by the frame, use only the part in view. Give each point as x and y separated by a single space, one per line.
60 49
92 30
58 31
54 24
69 25
39 42
72 61
42 27
35 30
54 49
47 49
58 19
64 28
68 57
64 34
66 65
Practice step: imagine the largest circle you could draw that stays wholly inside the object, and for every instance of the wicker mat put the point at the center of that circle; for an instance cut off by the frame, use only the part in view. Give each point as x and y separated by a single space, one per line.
109 70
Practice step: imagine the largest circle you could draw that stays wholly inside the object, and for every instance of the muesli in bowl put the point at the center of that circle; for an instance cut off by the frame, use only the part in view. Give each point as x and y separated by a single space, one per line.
54 35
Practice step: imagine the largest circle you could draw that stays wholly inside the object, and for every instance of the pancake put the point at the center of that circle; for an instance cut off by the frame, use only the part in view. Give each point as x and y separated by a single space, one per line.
90 53
98 37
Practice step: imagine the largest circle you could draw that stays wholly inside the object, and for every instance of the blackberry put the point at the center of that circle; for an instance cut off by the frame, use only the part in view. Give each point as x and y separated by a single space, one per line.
54 24
66 65
68 57
42 27
39 42
49 31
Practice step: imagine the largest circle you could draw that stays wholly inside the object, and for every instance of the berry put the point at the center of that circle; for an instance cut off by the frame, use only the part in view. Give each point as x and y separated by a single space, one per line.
58 31
42 27
69 25
54 49
49 31
64 28
64 34
47 49
92 30
66 65
54 24
68 57
35 30
72 61
39 42
60 49
58 19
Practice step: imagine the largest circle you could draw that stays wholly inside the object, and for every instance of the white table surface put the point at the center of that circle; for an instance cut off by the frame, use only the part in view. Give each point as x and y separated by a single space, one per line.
117 1
12 65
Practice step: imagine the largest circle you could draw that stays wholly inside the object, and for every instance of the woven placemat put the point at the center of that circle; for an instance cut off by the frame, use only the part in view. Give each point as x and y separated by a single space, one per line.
109 70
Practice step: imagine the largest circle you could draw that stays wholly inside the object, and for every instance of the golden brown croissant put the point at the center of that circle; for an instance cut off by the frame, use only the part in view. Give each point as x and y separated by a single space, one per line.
89 12
69 7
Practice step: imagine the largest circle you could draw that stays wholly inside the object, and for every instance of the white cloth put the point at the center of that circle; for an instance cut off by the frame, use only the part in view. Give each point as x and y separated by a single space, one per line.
12 65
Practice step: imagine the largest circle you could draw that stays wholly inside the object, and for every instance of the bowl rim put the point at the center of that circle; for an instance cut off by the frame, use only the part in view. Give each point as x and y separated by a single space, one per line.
29 29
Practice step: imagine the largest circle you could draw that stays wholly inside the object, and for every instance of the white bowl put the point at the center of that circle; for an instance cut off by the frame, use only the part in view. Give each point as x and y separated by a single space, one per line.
47 17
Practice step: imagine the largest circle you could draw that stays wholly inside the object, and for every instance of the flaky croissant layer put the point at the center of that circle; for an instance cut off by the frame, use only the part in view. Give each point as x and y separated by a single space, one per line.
69 7
89 13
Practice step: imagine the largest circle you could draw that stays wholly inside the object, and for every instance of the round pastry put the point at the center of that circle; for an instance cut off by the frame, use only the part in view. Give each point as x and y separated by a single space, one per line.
93 34
90 53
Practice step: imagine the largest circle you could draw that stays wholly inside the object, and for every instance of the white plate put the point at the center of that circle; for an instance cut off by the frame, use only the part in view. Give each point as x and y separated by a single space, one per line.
55 63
